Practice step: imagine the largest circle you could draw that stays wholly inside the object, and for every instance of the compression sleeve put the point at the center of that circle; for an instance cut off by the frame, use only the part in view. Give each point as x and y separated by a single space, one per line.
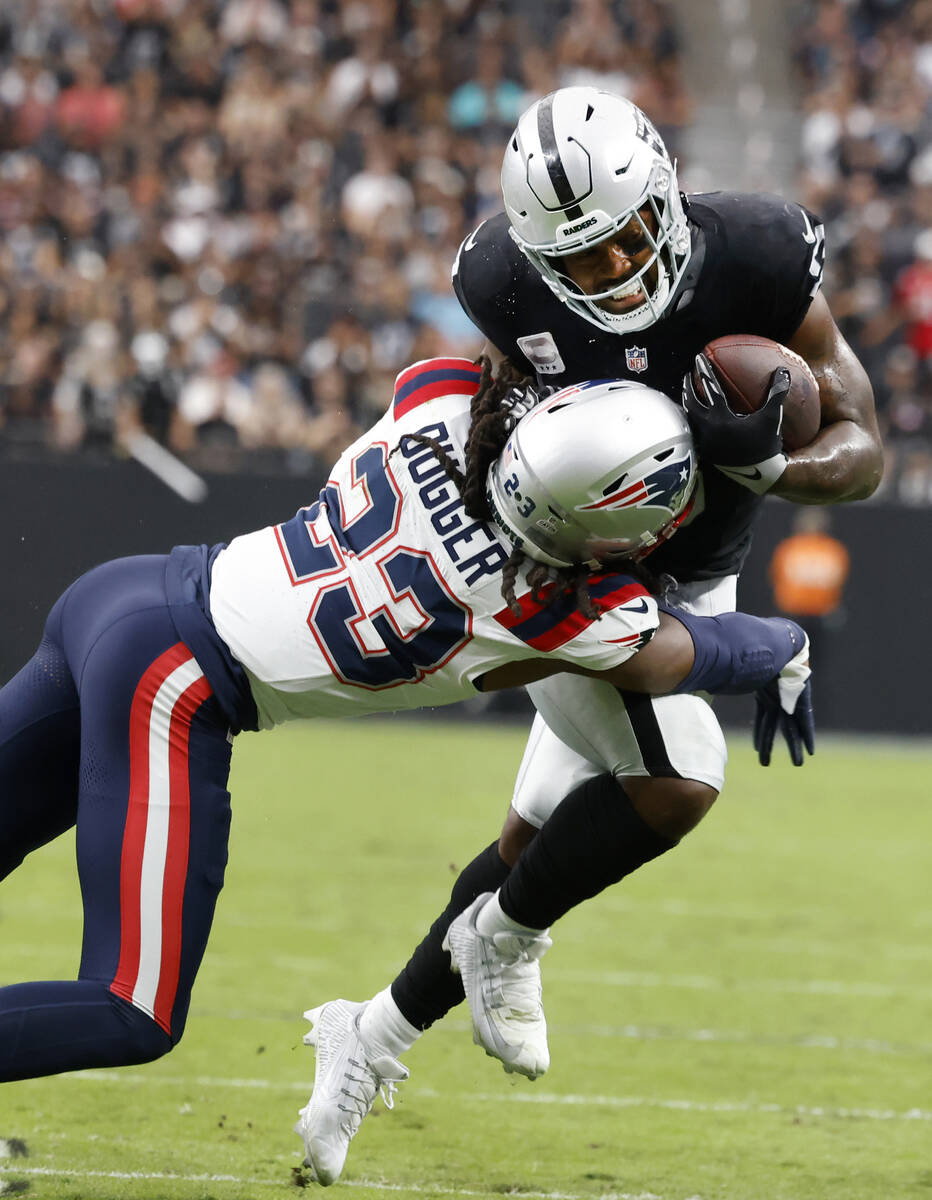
736 652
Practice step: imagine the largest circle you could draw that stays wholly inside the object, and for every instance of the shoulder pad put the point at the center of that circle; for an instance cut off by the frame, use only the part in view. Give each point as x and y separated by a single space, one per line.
484 263
758 223
768 251
551 623
433 377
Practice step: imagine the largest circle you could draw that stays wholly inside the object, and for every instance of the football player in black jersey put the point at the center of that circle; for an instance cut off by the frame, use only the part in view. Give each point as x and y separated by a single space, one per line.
600 267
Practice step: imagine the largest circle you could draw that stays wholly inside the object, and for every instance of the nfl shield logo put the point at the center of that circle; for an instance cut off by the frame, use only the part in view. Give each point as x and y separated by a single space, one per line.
636 358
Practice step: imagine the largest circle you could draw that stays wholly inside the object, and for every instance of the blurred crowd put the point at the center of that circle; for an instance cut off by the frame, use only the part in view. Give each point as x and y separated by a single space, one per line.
866 162
229 223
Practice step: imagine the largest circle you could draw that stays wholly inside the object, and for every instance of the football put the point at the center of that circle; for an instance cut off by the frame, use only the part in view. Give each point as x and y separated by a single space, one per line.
744 364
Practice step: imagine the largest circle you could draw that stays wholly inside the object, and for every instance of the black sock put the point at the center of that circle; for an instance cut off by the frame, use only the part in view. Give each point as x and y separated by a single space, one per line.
592 839
426 989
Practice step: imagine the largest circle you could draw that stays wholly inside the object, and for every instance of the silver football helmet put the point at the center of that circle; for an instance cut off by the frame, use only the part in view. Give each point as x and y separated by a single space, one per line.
581 164
598 470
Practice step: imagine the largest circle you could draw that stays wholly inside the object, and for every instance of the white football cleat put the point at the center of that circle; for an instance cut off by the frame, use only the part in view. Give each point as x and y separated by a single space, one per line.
346 1082
501 978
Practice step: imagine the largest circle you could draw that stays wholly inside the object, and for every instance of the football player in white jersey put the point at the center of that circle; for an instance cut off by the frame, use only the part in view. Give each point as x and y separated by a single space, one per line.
450 552
600 265
598 473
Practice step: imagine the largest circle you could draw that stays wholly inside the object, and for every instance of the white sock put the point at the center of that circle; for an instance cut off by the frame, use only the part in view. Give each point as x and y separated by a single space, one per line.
383 1028
491 919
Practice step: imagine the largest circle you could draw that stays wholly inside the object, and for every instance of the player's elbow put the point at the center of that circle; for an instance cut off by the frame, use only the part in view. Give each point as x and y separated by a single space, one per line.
853 473
871 476
662 665
862 480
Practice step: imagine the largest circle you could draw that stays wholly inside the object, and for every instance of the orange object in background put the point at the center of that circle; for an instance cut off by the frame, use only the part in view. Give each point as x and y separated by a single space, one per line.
809 568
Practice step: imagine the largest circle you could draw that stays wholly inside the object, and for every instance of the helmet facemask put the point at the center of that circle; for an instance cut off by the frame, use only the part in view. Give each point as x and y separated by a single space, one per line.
670 251
583 164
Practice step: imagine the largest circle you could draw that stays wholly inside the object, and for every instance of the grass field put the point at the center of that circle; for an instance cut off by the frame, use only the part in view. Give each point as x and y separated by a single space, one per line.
747 1018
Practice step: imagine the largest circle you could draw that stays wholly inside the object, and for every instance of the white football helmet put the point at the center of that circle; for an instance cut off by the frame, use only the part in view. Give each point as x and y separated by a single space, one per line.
599 470
578 167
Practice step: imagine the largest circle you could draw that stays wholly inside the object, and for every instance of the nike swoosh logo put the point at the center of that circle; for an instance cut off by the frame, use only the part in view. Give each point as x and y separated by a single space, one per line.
471 240
629 607
809 236
469 244
752 474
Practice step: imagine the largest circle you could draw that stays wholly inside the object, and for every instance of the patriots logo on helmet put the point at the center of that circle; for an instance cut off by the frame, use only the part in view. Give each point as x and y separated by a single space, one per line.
663 487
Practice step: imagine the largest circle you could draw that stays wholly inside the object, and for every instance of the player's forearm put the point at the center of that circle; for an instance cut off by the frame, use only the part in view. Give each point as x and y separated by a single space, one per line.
735 652
729 653
844 463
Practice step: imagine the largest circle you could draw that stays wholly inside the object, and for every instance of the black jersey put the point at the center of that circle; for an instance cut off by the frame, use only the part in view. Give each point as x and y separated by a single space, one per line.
755 266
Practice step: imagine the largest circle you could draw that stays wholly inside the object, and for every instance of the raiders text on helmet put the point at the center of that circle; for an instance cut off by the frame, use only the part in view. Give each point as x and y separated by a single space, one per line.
598 470
580 166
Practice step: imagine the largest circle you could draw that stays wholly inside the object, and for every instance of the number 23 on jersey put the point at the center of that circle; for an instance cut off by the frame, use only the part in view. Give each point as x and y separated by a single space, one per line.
417 625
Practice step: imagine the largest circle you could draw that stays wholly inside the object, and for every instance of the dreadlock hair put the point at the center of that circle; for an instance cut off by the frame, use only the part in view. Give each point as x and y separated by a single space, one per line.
491 424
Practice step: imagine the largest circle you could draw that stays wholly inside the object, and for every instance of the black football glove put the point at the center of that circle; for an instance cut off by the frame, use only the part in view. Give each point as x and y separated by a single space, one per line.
786 703
518 401
747 447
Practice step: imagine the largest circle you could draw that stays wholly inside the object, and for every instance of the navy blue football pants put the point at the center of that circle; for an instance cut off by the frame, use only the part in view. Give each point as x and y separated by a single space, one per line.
112 727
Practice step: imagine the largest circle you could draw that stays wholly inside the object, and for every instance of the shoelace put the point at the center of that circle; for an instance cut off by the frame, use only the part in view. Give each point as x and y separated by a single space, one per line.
369 1085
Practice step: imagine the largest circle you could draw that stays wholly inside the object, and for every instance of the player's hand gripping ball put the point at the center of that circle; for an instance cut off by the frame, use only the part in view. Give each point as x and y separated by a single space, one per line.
742 408
728 438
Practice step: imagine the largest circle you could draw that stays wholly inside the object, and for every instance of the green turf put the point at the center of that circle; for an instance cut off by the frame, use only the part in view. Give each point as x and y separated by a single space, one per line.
747 1018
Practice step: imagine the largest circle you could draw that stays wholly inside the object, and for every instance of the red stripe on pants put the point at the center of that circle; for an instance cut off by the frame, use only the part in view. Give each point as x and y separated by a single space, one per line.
176 863
137 815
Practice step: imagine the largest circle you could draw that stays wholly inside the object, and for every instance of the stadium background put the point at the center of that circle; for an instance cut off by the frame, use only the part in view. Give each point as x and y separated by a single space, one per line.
228 225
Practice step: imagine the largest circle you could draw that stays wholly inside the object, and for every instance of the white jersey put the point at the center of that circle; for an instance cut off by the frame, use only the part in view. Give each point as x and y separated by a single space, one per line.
384 594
